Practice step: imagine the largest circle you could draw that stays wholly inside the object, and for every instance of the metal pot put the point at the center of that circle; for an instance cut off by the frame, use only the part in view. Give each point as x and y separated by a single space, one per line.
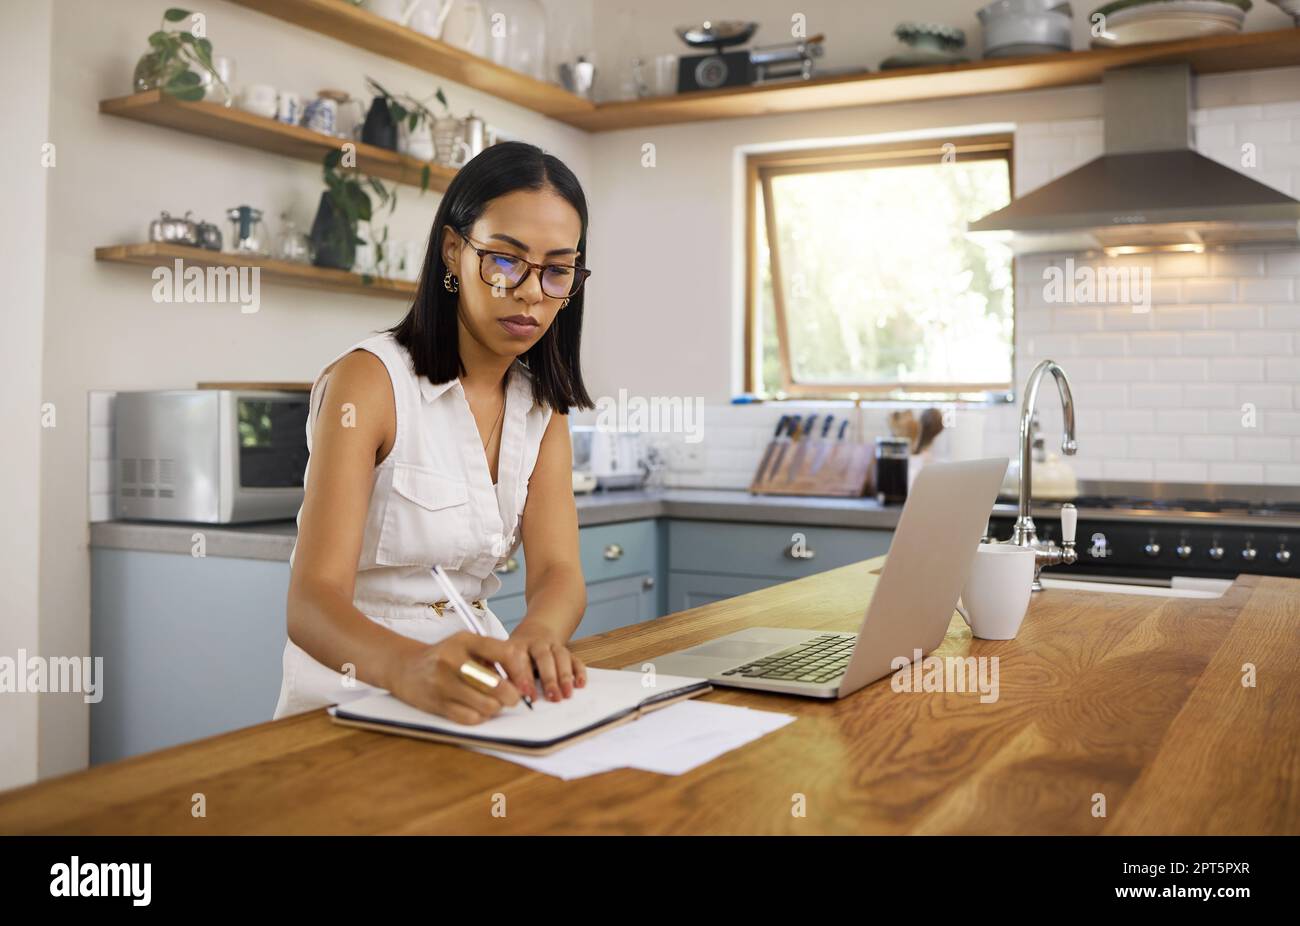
169 229
1025 27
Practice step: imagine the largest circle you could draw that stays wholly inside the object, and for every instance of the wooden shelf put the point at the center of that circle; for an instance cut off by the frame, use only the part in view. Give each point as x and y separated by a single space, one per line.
1214 55
229 124
363 29
153 254
358 27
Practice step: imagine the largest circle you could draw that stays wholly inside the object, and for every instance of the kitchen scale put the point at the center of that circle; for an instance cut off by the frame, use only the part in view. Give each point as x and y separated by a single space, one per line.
721 68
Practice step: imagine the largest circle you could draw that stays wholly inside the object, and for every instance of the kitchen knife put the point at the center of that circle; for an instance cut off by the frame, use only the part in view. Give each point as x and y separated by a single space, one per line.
823 447
791 429
802 450
771 449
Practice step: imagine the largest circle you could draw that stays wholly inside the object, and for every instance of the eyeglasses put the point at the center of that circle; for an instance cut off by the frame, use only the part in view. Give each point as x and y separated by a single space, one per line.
509 271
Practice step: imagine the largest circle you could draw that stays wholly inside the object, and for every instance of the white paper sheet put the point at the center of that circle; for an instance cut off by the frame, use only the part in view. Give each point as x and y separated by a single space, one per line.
670 741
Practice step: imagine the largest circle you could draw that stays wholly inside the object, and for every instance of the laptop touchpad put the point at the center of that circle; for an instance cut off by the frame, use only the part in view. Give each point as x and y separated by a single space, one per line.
733 649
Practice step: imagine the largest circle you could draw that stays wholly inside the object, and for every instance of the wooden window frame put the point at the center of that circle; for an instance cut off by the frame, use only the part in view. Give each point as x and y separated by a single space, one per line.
759 171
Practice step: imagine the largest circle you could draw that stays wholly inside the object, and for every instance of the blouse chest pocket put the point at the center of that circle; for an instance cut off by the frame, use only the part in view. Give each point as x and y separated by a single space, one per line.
426 519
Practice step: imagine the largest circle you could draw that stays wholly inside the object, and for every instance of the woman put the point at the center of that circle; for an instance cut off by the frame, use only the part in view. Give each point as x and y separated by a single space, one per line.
437 442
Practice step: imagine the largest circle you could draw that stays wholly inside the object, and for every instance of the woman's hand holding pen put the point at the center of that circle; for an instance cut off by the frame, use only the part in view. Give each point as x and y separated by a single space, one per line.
430 677
559 670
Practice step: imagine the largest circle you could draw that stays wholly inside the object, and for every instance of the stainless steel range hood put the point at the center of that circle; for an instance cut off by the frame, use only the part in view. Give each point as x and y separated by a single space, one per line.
1150 190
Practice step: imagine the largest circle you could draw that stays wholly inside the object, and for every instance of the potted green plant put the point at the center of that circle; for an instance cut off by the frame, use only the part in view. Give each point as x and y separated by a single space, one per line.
401 122
176 61
344 203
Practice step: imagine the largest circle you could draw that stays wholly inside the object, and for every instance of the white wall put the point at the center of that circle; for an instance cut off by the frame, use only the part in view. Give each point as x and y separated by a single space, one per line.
24 66
103 331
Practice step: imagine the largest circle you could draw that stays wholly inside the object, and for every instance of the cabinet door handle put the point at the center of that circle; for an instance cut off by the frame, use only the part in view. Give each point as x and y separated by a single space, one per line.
794 551
510 565
647 582
614 551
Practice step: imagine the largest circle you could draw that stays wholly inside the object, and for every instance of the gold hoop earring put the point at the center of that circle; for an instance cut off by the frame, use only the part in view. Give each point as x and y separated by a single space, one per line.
450 283
565 302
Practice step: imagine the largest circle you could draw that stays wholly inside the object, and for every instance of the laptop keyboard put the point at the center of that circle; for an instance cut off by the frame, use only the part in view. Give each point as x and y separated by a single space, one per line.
818 660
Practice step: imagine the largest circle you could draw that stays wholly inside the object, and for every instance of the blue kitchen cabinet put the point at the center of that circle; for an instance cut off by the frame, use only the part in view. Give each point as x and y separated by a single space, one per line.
620 563
191 646
712 560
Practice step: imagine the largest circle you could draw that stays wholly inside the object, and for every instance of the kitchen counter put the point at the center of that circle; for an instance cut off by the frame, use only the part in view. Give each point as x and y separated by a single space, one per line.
1136 699
273 540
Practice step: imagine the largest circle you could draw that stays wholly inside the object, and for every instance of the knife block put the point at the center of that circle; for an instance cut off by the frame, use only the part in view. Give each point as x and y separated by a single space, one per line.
815 467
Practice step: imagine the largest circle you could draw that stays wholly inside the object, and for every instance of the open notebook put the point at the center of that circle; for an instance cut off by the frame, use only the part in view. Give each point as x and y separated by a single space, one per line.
610 697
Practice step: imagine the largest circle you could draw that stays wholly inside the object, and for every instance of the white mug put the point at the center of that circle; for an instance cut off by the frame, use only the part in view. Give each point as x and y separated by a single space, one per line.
996 595
259 99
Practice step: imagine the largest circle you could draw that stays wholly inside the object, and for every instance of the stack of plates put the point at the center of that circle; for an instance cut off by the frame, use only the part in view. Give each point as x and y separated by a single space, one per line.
1135 22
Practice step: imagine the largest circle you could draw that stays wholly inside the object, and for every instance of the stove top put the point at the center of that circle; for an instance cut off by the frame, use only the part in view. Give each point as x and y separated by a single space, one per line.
1174 502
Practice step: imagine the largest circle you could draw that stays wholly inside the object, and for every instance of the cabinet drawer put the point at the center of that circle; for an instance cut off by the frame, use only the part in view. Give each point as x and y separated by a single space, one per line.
764 549
692 589
611 551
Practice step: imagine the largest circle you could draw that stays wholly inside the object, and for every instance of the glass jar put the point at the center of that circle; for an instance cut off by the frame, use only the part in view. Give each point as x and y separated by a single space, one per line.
891 469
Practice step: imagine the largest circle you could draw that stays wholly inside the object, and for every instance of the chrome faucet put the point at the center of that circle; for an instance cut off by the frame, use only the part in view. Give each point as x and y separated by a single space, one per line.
1025 534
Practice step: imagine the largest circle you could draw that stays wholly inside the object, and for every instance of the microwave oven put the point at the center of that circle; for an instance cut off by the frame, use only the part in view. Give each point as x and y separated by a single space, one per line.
212 456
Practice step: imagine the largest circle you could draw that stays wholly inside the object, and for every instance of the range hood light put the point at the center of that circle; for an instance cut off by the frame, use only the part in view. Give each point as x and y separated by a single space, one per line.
1122 249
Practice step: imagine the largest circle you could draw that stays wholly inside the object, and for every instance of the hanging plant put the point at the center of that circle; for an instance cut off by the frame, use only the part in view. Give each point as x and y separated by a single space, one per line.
176 60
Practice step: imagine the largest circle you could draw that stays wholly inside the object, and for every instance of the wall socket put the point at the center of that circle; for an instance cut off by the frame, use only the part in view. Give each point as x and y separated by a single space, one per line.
687 458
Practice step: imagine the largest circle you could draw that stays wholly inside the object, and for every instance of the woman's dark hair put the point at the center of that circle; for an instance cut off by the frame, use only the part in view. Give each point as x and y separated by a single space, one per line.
429 330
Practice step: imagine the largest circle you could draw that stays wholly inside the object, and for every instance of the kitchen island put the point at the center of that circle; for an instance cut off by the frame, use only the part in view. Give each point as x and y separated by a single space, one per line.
1124 705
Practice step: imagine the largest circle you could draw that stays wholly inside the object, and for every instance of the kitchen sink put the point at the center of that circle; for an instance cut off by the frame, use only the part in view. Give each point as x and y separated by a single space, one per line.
1178 587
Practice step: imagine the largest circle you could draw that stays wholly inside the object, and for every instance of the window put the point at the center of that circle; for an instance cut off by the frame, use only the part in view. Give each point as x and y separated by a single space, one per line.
861 279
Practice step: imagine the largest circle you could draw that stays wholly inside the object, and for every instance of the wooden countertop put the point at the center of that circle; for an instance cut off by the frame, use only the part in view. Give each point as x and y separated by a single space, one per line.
1135 698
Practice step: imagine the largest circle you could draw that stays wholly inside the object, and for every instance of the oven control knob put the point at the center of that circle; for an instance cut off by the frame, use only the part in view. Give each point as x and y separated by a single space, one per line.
1248 554
1283 556
1183 551
1216 552
1152 549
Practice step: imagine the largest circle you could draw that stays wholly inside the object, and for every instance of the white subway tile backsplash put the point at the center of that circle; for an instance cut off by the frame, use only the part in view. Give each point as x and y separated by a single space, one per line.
1283 369
1237 473
1076 320
1153 344
1233 264
1253 343
1124 318
1209 290
1105 344
1282 316
1179 317
1129 421
1282 474
1264 449
1279 423
1166 291
1284 263
1139 470
1208 447
1187 421
1209 396
1149 447
1125 369
1156 395
1266 289
1237 369
1181 264
1236 316
1181 471
1207 343
1180 369
1265 395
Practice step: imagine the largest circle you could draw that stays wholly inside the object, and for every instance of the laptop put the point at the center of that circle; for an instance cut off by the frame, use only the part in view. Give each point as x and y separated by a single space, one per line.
930 557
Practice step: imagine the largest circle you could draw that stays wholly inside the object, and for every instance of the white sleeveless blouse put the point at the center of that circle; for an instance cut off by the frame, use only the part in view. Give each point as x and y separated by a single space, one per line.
433 502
